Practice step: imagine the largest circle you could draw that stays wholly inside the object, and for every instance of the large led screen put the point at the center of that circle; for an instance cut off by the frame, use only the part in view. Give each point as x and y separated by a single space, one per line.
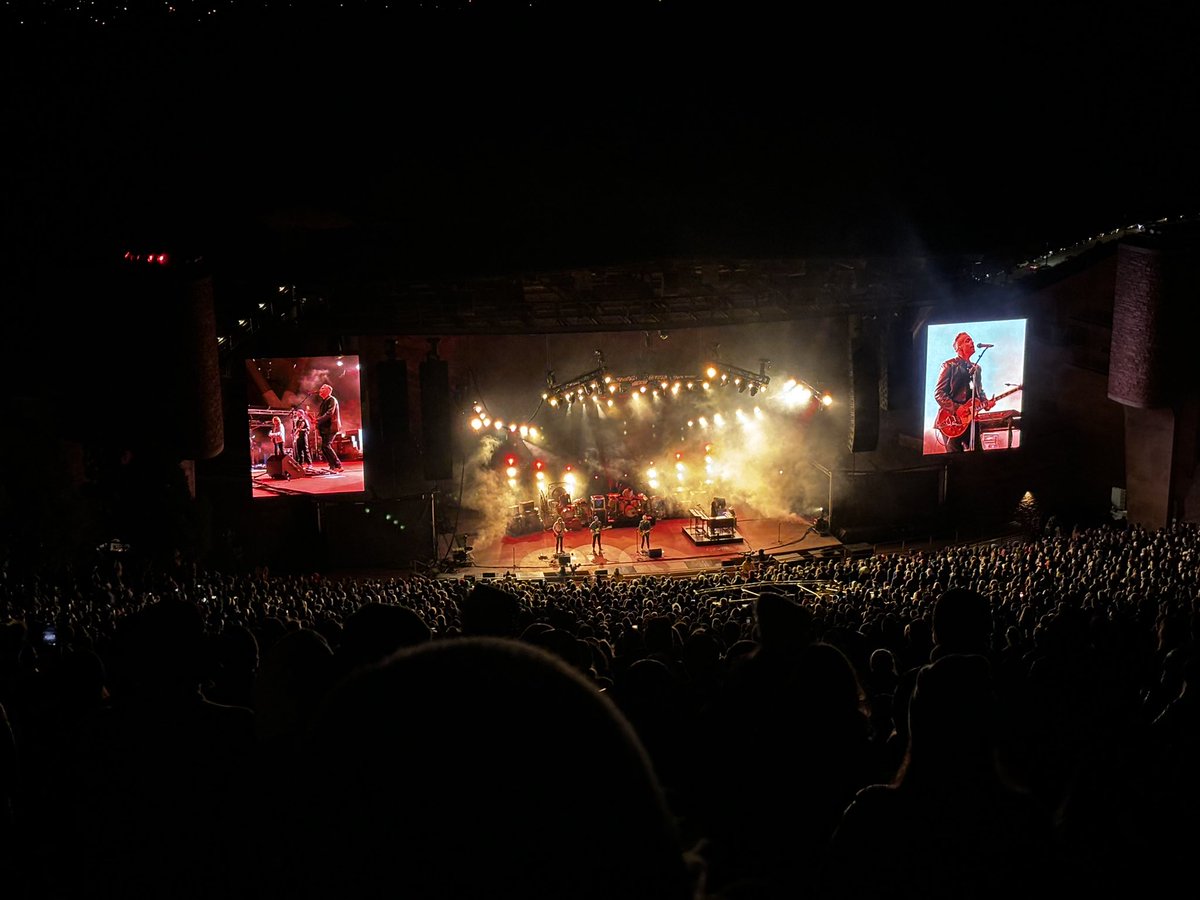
305 425
974 386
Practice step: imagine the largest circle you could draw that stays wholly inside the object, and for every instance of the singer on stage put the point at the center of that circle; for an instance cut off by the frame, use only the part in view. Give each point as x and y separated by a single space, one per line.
960 384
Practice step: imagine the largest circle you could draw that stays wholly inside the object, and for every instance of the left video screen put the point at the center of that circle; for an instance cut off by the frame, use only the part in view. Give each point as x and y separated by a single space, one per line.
305 424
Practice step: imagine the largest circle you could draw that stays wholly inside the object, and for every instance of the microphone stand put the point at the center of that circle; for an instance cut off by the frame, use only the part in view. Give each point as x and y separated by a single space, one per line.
975 383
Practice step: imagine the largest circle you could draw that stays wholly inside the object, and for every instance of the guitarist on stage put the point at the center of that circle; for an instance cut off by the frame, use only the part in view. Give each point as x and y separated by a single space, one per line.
959 384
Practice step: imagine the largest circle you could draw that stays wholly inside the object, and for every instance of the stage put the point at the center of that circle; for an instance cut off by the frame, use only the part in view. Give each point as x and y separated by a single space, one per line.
532 555
311 480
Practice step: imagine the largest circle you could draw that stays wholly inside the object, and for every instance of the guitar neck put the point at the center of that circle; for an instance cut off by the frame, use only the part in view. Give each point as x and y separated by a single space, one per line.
1006 393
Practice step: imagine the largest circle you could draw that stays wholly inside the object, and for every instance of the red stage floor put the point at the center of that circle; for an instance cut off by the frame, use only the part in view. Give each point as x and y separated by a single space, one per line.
532 555
317 480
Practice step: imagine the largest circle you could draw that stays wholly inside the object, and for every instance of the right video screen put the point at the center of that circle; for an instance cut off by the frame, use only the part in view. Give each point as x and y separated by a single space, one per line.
974 386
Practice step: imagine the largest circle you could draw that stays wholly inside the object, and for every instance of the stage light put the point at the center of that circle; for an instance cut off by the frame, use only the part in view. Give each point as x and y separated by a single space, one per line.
533 433
513 428
741 385
524 431
499 425
539 465
511 472
478 407
711 372
554 401
510 460
826 400
753 389
476 424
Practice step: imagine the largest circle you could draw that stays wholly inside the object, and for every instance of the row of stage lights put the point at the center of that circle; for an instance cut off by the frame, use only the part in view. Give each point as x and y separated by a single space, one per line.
794 395
482 422
655 479
603 387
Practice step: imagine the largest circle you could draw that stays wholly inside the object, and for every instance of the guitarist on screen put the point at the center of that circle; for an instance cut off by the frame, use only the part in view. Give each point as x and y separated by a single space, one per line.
959 384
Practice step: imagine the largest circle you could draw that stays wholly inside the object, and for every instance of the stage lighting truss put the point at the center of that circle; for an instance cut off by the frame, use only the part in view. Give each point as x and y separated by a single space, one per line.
601 385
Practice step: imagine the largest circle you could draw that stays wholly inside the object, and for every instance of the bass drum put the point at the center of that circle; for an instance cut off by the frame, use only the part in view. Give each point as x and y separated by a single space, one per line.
632 510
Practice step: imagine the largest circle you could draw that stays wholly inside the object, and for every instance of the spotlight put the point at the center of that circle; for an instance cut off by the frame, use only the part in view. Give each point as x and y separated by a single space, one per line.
741 386
753 389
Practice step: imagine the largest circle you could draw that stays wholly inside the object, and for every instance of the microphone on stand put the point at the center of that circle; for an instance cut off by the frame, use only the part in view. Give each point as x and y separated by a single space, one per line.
984 346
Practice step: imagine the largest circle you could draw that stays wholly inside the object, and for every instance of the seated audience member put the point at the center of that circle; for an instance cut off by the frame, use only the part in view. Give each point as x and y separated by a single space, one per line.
949 825
483 767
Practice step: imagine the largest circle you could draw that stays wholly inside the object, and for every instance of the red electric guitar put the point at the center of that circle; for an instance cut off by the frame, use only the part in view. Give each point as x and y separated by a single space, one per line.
953 424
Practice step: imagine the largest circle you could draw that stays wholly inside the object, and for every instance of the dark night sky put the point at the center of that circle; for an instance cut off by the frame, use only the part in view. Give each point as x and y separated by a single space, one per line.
513 142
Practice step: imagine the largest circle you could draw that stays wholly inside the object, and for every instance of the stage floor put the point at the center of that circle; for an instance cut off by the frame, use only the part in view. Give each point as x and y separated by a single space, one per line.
318 480
532 555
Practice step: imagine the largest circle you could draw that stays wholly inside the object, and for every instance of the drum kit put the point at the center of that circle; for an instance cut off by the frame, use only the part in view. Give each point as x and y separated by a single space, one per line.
623 508
575 515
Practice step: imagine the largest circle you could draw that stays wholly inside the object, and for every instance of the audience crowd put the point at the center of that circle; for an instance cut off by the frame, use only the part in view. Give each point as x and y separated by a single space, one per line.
971 721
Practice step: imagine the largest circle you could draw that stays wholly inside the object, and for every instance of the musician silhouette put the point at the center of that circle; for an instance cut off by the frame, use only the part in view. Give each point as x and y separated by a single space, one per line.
959 394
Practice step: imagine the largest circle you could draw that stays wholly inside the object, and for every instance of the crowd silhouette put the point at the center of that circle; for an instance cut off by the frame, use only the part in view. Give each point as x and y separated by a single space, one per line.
967 721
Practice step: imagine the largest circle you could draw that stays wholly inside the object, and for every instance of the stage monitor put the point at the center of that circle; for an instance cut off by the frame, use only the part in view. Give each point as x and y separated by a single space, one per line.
974 381
288 434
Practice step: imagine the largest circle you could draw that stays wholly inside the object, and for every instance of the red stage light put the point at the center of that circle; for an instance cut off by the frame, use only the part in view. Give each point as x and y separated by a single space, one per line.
510 460
538 464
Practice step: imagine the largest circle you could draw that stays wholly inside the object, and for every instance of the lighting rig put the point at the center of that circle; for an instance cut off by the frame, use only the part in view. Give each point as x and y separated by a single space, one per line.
599 382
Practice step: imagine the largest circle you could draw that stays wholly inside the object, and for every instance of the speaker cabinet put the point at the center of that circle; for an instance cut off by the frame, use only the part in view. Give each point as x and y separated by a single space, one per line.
864 394
435 419
656 553
283 467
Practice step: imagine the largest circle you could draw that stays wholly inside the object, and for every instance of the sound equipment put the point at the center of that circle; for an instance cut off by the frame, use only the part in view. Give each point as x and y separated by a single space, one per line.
489 576
563 559
864 395
656 553
435 419
391 407
601 573
284 467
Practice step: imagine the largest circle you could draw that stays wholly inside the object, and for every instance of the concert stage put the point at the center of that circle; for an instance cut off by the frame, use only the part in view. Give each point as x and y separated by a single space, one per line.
532 556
